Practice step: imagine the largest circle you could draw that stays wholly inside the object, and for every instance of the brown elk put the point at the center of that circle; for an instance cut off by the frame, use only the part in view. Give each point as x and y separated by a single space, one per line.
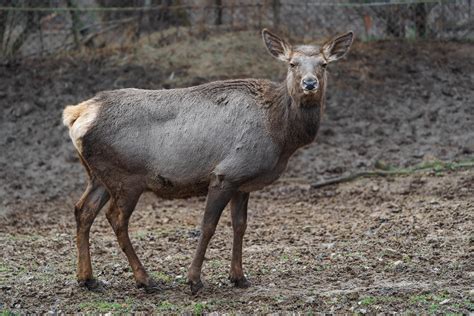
224 139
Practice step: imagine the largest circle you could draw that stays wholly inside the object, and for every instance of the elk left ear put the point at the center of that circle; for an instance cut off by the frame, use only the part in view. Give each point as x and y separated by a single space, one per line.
337 47
276 46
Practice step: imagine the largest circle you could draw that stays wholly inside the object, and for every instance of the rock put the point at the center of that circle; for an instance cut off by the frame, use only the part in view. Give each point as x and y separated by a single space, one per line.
382 165
22 109
394 208
309 300
447 92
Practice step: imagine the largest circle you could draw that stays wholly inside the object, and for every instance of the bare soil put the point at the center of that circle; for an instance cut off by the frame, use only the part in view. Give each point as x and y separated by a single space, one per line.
397 244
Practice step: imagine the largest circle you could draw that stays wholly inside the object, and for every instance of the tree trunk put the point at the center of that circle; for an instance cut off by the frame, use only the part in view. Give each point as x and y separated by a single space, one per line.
420 19
218 4
76 23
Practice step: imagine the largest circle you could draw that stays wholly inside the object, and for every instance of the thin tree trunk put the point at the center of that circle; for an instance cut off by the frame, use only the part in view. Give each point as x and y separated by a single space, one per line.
420 19
20 40
218 20
76 23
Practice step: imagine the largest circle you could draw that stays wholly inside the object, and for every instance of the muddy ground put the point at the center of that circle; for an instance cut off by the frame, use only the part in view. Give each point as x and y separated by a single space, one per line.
397 244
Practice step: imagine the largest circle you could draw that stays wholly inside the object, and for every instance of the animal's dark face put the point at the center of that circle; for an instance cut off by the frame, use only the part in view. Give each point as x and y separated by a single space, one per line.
307 63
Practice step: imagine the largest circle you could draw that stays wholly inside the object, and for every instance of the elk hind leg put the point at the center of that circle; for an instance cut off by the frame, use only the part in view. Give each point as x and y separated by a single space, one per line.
86 210
118 215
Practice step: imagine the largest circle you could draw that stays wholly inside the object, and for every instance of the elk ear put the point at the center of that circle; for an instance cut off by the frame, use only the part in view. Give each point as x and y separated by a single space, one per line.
337 47
277 47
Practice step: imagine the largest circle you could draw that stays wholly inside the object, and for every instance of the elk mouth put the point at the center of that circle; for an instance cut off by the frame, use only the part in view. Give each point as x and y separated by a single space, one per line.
310 91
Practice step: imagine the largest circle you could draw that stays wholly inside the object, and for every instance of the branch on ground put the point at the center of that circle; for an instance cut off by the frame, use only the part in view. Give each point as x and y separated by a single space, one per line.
436 166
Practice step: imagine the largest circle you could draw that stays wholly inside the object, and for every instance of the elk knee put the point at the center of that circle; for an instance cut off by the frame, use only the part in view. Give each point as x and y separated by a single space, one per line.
239 226
208 230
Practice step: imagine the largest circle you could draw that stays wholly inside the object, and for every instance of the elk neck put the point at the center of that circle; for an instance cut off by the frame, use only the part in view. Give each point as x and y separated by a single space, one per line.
295 118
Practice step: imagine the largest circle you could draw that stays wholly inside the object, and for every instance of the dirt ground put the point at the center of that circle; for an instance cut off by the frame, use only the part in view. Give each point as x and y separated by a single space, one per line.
395 244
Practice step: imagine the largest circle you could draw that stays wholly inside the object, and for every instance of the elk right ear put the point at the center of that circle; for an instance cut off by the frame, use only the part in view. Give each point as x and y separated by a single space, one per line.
337 47
277 47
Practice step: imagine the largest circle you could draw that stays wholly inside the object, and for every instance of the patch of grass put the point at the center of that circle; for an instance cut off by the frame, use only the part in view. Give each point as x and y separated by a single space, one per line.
166 306
8 272
216 264
7 312
430 300
198 308
425 298
101 306
284 257
377 300
4 268
161 276
469 305
419 299
280 299
368 300
182 280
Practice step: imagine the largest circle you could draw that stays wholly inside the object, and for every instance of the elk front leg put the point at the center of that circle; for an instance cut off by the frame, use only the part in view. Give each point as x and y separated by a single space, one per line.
217 198
238 206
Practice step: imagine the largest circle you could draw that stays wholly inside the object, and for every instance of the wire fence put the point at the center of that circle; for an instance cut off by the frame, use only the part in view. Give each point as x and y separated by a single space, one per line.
37 28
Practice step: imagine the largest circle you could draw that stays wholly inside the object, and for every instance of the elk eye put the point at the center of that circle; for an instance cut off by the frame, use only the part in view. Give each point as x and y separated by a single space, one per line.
324 65
292 65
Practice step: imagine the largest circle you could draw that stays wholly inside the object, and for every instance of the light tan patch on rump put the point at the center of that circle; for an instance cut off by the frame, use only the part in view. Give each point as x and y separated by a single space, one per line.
79 118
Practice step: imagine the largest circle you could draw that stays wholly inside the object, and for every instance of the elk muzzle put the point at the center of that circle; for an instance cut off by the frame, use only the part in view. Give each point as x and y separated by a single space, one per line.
310 84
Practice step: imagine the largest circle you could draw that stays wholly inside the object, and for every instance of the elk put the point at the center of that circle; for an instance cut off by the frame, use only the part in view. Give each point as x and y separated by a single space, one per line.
222 139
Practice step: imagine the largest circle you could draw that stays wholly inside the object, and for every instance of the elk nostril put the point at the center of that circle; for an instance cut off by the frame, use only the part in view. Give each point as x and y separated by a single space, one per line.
309 84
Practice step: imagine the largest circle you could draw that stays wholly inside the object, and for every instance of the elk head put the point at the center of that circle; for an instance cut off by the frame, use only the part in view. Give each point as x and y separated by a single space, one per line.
306 77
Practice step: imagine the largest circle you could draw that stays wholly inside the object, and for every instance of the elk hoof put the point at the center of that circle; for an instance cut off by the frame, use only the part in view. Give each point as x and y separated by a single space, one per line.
195 286
241 283
91 284
150 287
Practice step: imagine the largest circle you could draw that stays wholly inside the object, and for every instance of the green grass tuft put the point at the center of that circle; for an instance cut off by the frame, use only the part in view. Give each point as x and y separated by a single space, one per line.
199 308
161 276
100 306
368 300
166 306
